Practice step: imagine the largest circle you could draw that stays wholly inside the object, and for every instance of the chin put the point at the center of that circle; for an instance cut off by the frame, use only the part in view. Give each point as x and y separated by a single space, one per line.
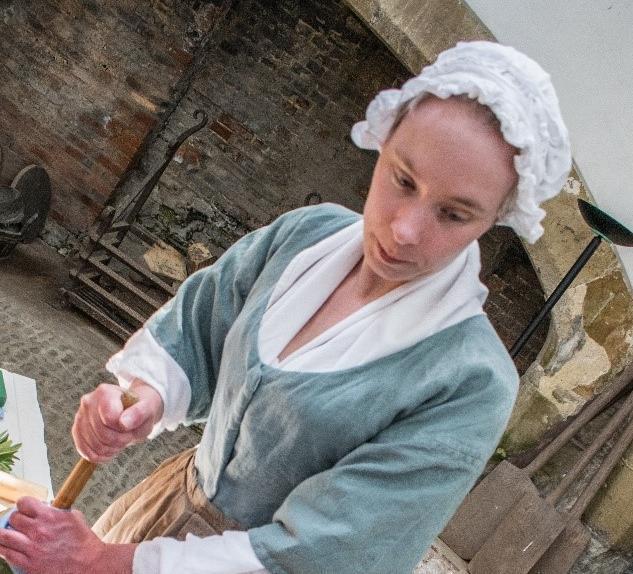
391 274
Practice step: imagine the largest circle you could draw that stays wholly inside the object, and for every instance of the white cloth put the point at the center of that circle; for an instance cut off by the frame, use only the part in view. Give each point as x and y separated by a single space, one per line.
143 358
24 423
230 553
391 323
520 94
385 326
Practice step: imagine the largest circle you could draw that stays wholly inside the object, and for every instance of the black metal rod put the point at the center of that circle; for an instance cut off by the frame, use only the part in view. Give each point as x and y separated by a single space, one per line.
555 296
136 204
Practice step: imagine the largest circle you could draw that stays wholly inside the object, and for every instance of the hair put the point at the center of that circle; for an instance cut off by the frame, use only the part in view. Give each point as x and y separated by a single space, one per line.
489 117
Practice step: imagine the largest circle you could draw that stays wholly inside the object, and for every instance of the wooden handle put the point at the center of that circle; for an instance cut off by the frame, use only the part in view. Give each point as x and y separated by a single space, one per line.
83 470
614 423
593 408
605 468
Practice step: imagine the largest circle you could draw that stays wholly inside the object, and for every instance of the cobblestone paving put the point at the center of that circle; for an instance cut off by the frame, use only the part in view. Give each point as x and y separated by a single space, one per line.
65 354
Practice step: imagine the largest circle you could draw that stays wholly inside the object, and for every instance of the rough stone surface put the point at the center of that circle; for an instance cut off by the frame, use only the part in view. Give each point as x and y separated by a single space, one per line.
319 66
282 91
65 354
418 30
607 510
282 83
440 559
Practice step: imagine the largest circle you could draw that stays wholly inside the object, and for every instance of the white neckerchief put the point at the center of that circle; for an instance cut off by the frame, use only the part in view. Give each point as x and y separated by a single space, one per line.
393 322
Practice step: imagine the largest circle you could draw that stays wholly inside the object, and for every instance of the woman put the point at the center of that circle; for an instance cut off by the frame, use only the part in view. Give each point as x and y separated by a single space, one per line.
352 386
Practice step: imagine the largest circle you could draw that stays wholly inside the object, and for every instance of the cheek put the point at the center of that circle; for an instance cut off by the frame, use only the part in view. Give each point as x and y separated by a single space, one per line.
378 205
446 243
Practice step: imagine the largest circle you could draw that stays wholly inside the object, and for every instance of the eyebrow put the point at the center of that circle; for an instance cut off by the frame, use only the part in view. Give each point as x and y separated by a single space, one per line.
406 161
465 201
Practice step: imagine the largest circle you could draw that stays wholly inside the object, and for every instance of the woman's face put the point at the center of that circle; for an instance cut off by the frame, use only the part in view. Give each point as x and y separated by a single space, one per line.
438 184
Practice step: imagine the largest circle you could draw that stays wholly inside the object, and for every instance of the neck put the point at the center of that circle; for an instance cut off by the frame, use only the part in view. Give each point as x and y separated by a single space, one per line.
368 284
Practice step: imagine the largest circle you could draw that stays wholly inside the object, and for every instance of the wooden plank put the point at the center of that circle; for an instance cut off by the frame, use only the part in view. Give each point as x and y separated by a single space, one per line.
132 314
138 268
88 307
143 234
561 556
520 540
485 507
123 282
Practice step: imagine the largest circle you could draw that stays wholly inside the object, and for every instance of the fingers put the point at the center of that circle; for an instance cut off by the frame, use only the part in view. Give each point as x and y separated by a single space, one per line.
95 430
41 540
136 417
32 507
102 428
21 522
150 397
14 547
109 406
16 542
91 446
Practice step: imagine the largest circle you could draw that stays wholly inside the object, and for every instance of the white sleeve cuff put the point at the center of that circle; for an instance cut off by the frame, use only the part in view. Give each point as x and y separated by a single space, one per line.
143 358
229 553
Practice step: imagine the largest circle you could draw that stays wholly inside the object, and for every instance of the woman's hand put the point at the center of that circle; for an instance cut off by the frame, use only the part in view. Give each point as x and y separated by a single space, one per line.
102 428
43 539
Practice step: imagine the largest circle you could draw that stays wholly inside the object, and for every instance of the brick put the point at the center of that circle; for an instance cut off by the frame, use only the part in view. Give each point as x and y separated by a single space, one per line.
78 79
221 130
314 67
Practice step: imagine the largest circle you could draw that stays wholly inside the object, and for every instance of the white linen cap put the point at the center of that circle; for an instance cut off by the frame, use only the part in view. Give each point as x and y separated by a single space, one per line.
520 94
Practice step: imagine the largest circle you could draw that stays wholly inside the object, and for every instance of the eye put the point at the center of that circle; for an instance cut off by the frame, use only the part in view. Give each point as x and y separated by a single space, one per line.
453 216
403 181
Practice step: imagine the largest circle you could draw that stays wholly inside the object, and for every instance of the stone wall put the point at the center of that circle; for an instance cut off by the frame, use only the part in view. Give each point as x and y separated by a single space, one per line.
96 91
103 89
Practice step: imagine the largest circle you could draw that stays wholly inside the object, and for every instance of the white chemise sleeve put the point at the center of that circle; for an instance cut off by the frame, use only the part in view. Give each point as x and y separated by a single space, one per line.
229 553
143 358
232 553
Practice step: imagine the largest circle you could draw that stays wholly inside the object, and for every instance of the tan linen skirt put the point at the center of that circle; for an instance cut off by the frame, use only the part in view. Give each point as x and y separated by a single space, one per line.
169 502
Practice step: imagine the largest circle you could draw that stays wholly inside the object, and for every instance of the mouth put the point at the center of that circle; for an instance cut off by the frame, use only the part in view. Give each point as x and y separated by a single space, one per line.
386 257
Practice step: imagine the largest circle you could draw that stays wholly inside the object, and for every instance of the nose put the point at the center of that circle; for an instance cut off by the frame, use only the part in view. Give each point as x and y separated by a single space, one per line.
411 225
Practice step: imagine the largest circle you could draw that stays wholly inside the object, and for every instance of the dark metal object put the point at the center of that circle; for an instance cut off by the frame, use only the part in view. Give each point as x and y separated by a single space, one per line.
103 288
604 227
136 203
34 187
24 207
313 198
11 209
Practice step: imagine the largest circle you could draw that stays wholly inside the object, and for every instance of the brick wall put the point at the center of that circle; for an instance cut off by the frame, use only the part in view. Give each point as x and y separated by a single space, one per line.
282 83
84 83
515 292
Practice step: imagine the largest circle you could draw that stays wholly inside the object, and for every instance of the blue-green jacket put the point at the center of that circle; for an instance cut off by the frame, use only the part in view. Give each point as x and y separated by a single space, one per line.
346 472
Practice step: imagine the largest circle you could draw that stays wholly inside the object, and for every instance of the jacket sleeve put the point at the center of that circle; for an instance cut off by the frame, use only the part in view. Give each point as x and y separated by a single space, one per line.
179 349
380 507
